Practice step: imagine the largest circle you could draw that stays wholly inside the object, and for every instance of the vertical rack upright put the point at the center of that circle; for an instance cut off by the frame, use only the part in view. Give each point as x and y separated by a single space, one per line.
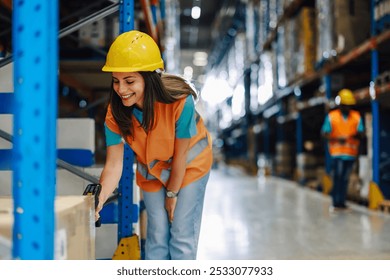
125 189
34 104
35 114
374 102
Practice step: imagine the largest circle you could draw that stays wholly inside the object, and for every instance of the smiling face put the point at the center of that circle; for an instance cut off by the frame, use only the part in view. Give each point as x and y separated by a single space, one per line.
130 88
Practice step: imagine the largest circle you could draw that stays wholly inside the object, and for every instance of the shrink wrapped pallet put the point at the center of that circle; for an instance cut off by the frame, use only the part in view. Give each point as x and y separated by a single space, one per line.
283 159
382 13
300 43
286 3
306 167
342 25
250 23
281 68
263 23
365 175
291 47
308 40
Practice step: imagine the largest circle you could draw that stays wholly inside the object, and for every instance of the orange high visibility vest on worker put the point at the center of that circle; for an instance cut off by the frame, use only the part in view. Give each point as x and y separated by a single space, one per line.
342 127
154 150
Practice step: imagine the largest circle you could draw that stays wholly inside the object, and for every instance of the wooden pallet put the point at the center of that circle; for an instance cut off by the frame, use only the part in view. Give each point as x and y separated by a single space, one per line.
385 206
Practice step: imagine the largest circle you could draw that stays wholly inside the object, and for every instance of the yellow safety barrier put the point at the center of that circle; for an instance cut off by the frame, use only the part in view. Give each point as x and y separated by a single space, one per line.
375 196
327 184
128 249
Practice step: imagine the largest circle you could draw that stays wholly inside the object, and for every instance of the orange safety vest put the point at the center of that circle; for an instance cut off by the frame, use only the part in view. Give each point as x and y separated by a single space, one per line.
342 127
154 150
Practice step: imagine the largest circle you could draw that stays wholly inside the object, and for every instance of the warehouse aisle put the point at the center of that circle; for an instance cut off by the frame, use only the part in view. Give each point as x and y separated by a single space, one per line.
270 218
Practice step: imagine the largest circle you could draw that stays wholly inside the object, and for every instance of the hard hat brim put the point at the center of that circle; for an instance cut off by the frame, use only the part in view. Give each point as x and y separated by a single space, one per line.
150 67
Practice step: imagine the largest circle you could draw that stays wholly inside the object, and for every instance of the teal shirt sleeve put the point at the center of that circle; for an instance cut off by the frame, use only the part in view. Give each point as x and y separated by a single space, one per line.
326 127
360 126
186 124
112 138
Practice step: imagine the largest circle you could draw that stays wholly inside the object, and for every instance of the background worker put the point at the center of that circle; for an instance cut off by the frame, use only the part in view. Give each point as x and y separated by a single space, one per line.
155 114
343 128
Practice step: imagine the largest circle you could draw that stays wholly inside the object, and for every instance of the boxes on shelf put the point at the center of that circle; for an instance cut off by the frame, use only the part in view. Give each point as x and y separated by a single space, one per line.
264 29
354 186
368 131
365 175
74 227
264 165
286 3
292 106
308 40
251 23
342 25
99 33
281 67
306 167
315 183
300 43
251 145
275 12
283 159
93 34
290 48
382 14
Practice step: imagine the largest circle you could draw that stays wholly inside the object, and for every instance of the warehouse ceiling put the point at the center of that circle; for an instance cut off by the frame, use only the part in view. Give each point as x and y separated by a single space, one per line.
205 33
195 34
81 61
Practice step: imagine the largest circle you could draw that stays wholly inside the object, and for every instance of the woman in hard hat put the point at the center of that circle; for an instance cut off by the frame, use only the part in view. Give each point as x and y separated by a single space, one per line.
343 127
155 114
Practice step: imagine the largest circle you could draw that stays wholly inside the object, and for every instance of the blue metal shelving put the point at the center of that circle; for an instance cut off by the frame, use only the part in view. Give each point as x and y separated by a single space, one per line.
35 114
328 93
374 102
379 34
34 105
128 212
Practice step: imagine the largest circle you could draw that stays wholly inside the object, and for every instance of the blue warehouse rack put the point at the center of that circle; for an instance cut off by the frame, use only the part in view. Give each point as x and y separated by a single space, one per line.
34 105
318 87
374 102
128 212
35 114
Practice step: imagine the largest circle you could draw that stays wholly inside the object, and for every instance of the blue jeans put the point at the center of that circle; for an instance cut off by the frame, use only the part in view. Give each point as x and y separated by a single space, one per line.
179 240
341 171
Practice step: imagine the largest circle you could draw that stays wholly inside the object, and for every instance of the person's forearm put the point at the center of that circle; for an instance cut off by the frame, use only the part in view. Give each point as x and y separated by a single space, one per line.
109 180
112 171
177 174
178 167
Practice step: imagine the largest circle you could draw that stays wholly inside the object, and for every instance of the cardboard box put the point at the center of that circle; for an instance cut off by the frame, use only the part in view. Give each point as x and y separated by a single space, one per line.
93 34
342 25
74 227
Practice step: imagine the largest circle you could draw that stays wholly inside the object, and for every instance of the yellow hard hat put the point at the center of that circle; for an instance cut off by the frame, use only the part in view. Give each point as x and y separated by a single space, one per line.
345 97
133 51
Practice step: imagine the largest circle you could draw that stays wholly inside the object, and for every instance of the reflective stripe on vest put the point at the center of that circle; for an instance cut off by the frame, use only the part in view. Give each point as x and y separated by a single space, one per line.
165 173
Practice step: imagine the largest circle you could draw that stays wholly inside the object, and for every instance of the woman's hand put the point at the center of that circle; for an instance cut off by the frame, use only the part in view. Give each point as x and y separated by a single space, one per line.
170 205
99 207
178 169
97 210
111 174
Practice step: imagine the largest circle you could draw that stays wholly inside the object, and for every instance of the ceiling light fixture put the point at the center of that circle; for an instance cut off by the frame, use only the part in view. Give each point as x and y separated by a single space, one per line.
195 12
188 72
200 59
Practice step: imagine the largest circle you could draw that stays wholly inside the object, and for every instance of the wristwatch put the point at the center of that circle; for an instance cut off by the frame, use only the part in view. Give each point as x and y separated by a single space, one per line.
171 194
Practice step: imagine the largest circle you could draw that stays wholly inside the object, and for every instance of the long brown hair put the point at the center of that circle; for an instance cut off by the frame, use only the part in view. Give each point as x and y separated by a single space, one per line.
164 88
